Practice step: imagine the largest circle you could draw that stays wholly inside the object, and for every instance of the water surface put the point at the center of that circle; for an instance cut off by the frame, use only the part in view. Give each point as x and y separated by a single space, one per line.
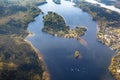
58 53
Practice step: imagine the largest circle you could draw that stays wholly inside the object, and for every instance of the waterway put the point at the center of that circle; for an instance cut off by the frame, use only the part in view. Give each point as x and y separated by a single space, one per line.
58 53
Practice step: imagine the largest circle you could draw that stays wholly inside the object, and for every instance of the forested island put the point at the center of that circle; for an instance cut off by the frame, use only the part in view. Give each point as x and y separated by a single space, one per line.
55 25
18 59
108 31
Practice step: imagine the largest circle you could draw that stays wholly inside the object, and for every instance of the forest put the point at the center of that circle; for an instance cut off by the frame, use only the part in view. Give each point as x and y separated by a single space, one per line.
116 3
55 25
18 60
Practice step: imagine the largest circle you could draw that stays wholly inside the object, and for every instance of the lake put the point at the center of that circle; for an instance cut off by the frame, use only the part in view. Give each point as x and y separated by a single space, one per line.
58 53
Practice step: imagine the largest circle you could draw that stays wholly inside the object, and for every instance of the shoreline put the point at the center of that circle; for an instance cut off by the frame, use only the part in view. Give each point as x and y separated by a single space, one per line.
21 51
30 34
112 42
108 36
46 75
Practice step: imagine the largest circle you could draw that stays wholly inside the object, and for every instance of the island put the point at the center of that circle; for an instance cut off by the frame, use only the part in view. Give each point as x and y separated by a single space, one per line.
54 24
77 54
108 31
19 60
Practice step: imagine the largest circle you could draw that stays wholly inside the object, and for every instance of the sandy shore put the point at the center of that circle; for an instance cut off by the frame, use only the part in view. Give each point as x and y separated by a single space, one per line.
30 34
46 75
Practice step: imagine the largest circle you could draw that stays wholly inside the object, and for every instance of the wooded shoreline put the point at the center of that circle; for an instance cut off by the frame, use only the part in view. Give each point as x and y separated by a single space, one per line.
108 31
18 58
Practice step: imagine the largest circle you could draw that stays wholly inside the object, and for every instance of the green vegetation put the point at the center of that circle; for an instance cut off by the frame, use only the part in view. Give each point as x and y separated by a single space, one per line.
16 14
116 3
17 23
18 60
55 25
80 30
108 31
115 66
99 13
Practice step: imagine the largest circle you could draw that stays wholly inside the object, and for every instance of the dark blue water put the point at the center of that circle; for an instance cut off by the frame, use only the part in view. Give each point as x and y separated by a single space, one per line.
58 53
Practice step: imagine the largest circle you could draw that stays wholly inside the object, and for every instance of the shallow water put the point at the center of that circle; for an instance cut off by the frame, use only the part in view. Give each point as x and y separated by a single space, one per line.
58 53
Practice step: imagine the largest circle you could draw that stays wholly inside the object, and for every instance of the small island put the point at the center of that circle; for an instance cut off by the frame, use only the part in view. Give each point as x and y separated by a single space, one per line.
77 54
55 25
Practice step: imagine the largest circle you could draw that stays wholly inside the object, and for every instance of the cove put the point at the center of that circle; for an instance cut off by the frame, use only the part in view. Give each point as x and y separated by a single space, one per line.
58 53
